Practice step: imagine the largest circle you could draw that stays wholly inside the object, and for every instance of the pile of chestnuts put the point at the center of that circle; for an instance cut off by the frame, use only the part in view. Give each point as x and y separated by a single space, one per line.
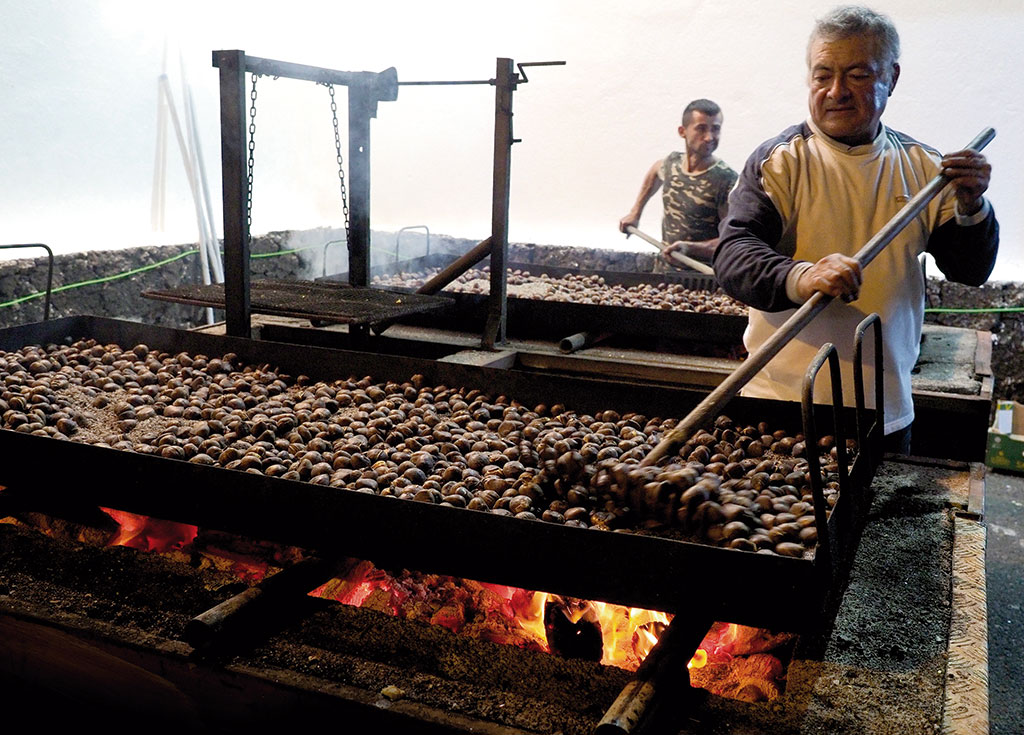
745 487
581 289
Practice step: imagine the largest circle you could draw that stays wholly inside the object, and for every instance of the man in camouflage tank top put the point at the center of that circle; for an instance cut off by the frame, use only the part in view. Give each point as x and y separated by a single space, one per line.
695 187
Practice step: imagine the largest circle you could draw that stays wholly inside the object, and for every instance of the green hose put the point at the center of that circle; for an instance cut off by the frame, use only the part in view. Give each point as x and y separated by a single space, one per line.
134 271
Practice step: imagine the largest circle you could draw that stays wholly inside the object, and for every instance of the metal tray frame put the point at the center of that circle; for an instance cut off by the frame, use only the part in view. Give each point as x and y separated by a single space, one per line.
630 569
538 318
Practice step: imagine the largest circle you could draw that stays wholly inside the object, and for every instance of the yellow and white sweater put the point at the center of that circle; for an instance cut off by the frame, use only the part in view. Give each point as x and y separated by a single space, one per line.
803 195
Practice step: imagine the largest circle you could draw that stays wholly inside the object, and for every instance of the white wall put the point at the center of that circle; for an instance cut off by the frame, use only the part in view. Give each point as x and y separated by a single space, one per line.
78 83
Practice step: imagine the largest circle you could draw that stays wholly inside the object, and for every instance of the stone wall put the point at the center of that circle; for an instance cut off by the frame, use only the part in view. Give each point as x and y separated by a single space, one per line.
110 283
1007 327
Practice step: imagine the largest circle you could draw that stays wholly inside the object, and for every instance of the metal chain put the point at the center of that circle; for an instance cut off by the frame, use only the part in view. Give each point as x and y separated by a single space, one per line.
341 162
252 148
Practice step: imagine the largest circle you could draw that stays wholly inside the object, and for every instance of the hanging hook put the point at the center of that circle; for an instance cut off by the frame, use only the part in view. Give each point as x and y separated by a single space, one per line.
522 72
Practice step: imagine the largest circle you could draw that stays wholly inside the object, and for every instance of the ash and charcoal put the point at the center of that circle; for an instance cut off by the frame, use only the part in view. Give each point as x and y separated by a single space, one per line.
144 601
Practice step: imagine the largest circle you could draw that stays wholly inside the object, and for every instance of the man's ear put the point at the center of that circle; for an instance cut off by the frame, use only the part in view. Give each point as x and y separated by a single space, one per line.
682 131
895 77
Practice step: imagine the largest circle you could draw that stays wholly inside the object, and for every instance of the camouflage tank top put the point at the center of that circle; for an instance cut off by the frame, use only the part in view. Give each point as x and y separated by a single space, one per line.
693 203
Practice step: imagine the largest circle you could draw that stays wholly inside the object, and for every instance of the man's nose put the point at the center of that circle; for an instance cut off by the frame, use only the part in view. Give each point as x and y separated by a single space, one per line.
838 88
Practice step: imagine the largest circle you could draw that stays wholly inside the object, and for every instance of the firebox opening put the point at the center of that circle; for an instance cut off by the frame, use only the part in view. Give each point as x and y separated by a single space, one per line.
733 661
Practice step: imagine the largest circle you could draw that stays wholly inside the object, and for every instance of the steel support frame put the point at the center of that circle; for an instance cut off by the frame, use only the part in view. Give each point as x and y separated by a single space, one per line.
365 89
505 80
234 191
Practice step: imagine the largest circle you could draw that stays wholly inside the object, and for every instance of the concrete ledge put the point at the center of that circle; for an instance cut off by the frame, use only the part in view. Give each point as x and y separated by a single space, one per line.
503 359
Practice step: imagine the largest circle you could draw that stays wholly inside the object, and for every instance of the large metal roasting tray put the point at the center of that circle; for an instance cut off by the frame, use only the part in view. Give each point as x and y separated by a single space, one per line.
40 473
534 318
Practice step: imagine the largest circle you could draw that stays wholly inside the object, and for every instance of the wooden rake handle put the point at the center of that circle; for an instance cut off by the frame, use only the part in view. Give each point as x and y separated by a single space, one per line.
662 246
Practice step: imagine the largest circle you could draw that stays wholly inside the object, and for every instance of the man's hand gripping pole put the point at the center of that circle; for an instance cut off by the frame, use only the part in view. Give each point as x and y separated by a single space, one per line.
684 259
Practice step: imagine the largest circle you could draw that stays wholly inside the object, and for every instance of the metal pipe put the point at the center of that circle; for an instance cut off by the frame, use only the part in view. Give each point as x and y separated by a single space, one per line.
255 603
662 246
858 381
573 342
456 268
445 84
732 385
662 672
398 238
823 551
49 271
522 74
580 340
323 258
449 274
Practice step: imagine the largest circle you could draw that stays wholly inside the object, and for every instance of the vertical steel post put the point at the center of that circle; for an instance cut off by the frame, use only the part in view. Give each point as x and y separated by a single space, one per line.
235 191
504 86
362 105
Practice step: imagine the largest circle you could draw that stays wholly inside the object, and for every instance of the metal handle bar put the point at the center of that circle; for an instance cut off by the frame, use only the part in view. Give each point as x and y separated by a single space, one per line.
827 352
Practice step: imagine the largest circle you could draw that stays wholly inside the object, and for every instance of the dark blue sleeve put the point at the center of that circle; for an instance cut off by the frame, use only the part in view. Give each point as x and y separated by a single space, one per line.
966 254
746 263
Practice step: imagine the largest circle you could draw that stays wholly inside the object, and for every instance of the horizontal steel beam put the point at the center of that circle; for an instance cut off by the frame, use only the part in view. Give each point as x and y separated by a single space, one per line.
385 82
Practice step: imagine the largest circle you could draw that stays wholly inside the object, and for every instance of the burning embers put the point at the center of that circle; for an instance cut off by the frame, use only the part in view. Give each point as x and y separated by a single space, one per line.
733 661
740 662
147 534
595 631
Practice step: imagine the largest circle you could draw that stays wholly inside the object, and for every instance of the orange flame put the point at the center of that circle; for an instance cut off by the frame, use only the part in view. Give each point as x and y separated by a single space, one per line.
149 534
699 660
627 634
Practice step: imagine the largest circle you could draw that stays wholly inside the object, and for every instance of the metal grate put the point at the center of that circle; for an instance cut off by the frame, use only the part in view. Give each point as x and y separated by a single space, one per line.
321 300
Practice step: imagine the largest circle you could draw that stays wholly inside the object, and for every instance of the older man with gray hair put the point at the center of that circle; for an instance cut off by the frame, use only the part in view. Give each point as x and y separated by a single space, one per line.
811 197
